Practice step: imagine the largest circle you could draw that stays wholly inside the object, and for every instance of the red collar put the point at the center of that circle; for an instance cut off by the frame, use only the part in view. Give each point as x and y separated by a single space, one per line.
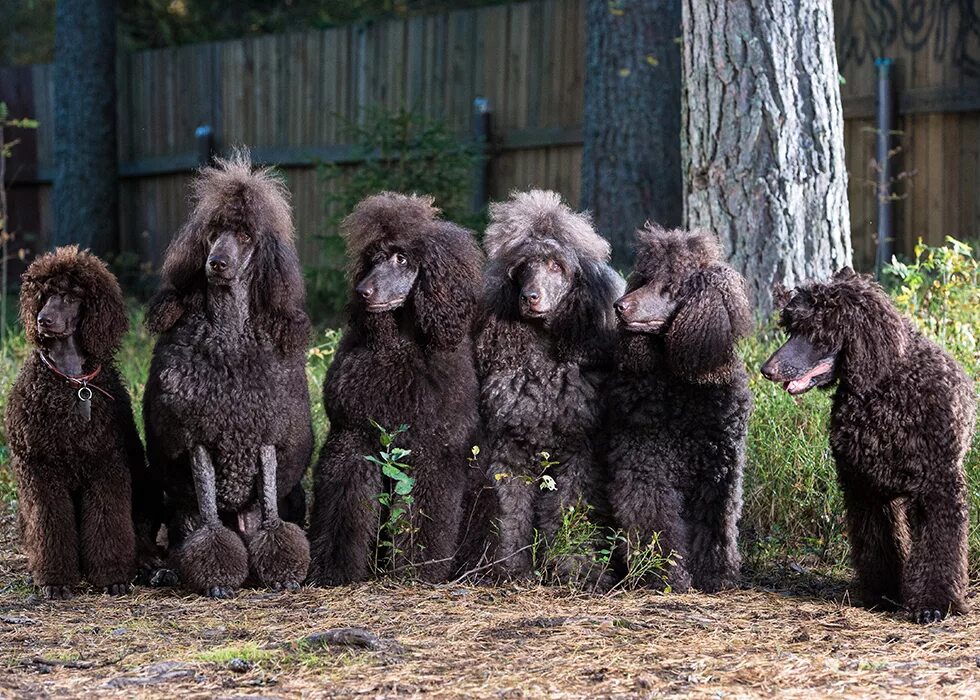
79 380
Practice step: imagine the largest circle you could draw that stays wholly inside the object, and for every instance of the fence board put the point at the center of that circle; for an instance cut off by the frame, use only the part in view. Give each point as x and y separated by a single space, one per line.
289 97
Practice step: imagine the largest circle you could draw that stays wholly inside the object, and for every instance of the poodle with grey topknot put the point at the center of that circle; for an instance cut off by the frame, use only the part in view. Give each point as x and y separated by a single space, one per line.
901 422
227 406
679 405
406 359
544 346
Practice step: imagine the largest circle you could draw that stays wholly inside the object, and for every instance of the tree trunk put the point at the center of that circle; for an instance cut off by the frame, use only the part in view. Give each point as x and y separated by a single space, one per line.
86 195
631 168
764 138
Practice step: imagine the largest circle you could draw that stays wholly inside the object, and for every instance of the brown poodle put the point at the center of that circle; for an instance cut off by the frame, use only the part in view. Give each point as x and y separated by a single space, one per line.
74 446
679 406
227 408
900 426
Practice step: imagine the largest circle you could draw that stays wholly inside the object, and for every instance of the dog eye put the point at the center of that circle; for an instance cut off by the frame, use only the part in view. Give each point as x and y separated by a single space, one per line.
246 237
554 266
401 259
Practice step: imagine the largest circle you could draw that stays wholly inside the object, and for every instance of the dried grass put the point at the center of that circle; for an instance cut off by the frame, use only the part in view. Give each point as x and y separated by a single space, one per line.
457 641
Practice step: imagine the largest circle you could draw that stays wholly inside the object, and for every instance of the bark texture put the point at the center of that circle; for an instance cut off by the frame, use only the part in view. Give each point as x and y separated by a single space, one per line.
85 185
763 138
631 167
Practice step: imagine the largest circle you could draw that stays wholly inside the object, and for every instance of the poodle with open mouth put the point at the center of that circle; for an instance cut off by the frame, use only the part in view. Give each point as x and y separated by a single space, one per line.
81 476
901 423
227 407
679 405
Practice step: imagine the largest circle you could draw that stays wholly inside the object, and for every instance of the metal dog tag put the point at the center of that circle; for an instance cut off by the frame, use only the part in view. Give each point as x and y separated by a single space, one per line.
85 403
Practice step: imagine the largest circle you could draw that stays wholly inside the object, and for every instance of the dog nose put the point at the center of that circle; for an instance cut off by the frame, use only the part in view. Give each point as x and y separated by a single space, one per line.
365 290
623 305
44 321
531 296
768 369
217 264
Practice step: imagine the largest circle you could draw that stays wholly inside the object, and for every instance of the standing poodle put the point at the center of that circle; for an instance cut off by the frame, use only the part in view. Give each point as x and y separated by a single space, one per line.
74 446
543 348
679 406
900 426
227 406
406 358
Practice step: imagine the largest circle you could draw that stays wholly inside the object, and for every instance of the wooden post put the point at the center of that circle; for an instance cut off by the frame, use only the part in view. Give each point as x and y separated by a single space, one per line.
204 136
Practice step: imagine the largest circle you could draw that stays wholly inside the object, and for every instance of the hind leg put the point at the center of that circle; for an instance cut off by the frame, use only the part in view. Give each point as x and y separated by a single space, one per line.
345 519
108 543
212 559
878 533
936 573
279 554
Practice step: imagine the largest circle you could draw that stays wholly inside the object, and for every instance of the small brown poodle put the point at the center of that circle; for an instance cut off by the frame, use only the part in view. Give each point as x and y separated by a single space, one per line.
76 453
900 426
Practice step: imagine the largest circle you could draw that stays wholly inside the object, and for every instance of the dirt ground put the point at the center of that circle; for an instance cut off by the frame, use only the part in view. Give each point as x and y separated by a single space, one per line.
792 635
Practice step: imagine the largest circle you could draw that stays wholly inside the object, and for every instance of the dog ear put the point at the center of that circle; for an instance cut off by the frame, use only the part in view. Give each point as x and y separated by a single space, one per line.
448 286
31 296
714 313
104 319
585 328
277 292
781 296
182 275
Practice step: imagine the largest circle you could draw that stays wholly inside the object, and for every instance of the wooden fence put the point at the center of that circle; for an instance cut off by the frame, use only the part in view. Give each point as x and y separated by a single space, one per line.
288 96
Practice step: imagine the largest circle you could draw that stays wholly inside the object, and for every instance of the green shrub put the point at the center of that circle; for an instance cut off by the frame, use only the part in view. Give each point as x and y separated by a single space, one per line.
401 151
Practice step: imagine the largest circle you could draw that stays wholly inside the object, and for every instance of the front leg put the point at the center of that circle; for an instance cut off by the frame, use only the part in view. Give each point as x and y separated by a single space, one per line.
514 525
47 518
278 551
212 560
935 579
713 513
108 542
878 533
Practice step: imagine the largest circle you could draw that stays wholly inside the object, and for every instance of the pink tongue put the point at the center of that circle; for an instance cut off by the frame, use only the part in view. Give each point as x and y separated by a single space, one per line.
800 384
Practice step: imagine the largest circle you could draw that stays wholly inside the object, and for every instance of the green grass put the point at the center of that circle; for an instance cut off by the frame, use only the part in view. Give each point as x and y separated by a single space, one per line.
793 508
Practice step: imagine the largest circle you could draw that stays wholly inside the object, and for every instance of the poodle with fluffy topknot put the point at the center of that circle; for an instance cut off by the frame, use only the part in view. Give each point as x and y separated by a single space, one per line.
679 405
544 346
81 475
227 406
901 423
406 358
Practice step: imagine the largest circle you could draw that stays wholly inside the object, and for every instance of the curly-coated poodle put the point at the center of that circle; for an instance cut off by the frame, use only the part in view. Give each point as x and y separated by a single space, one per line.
227 406
544 346
679 405
901 423
74 447
406 358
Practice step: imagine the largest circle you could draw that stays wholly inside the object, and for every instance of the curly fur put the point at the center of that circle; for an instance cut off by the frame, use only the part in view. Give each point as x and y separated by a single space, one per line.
678 412
76 479
901 423
412 365
540 382
229 380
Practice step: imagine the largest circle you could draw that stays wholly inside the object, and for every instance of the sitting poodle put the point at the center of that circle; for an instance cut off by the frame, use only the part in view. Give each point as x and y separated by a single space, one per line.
900 426
74 447
544 346
679 405
227 406
406 358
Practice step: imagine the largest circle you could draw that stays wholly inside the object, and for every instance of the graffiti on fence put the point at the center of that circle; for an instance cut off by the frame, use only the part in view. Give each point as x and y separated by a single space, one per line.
870 28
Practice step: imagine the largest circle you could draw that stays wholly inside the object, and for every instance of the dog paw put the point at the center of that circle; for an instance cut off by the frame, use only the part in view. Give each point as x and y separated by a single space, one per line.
927 616
279 556
212 557
56 592
220 592
164 578
117 589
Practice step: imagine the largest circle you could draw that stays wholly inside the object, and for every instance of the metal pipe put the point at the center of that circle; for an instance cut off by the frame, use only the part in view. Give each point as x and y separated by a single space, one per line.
204 136
885 127
481 138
